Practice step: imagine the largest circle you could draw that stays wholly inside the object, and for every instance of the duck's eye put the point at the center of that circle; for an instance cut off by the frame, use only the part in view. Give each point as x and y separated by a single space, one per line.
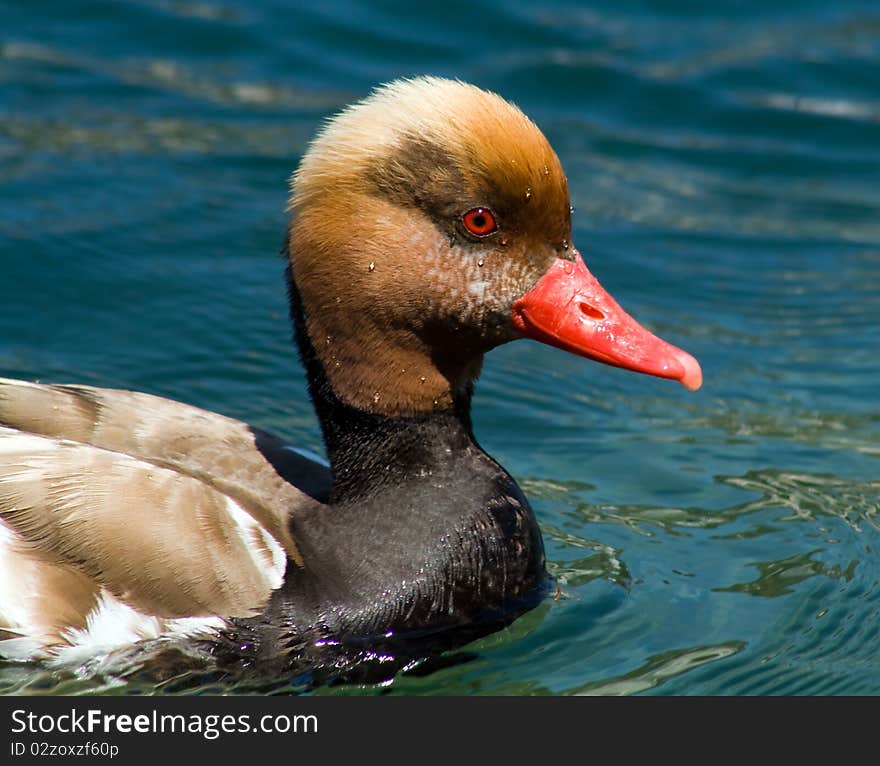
480 221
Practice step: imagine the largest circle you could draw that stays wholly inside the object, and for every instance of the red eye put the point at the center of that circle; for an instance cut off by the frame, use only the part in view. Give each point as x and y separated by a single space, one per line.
479 221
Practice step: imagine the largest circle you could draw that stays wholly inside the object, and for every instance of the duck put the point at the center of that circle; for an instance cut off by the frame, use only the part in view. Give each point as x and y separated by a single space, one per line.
430 222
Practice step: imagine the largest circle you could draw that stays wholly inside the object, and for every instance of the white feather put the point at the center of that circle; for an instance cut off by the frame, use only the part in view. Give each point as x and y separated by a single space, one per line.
247 527
111 624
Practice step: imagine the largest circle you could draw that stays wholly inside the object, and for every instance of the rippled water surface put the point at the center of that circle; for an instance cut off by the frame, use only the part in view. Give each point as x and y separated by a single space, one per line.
724 162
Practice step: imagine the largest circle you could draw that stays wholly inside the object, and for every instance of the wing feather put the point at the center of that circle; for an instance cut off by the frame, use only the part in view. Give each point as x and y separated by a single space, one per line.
76 519
245 464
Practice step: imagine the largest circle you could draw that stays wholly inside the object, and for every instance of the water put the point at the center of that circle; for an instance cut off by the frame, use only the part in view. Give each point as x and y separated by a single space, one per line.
724 162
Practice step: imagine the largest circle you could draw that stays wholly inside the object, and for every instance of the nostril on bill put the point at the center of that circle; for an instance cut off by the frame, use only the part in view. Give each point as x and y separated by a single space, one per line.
590 311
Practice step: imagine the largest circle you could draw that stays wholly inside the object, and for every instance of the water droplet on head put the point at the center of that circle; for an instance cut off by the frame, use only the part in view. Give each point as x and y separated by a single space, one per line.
565 244
503 242
422 378
376 397
528 194
546 171
480 263
372 266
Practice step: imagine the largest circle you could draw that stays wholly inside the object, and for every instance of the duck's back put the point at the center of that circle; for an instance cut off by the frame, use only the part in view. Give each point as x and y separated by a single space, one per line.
126 516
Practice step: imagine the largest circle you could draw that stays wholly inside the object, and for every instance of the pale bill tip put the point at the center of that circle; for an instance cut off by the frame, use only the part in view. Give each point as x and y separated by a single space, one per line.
692 378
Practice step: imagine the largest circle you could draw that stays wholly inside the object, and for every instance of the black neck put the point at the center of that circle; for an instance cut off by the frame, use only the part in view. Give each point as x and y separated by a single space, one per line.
368 450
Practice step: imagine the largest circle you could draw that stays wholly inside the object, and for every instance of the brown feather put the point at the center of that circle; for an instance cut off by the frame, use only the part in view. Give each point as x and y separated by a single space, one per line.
160 541
216 450
134 496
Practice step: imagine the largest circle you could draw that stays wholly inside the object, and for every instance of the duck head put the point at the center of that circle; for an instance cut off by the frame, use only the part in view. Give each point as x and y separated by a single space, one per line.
431 223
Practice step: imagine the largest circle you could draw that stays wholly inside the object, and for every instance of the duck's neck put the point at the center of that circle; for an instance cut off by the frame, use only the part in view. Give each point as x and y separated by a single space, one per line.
370 450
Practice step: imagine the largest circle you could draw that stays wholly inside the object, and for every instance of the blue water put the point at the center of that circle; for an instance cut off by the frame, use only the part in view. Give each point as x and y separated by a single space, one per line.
724 163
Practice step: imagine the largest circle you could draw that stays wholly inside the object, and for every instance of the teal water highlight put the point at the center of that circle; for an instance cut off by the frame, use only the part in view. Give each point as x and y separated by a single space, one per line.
723 162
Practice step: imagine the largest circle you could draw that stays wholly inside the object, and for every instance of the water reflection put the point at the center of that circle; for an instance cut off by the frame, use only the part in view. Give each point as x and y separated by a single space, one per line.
658 669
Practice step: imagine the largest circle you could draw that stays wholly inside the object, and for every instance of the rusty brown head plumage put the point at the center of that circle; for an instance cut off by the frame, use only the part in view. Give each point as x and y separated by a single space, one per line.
401 298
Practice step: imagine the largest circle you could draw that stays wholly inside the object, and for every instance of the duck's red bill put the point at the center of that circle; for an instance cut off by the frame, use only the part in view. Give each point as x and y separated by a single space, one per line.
569 309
